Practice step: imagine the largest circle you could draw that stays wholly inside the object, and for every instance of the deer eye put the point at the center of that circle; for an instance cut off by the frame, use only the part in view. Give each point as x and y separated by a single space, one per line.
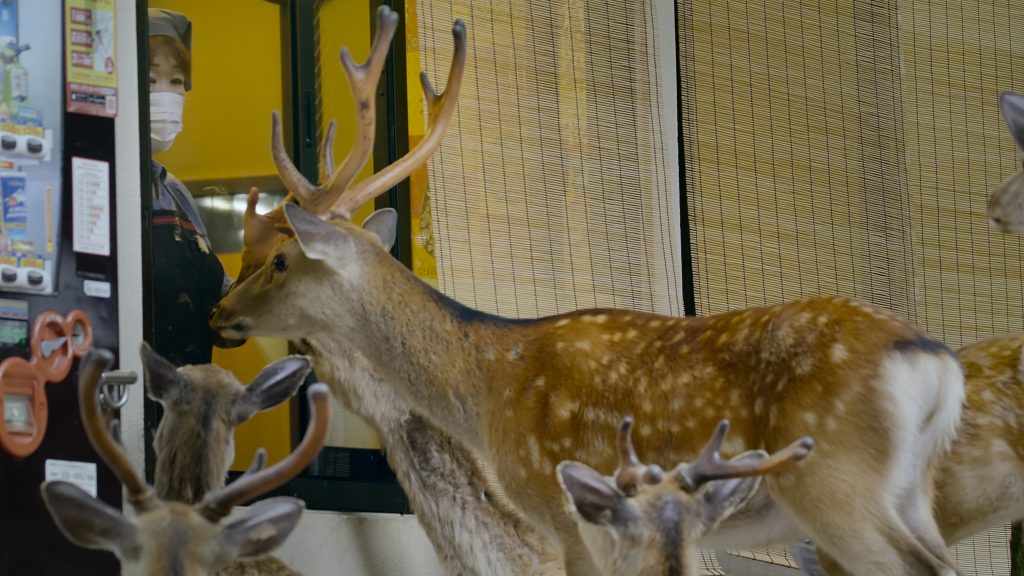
279 263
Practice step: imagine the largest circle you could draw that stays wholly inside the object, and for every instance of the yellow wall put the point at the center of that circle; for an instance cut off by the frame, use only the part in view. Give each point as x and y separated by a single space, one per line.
236 82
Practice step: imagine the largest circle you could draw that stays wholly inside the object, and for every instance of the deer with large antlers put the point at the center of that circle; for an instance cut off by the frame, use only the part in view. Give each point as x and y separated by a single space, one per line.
449 491
643 521
170 537
881 398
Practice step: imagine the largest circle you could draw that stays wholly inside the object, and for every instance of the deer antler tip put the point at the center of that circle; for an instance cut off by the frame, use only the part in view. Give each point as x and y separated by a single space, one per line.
318 391
804 447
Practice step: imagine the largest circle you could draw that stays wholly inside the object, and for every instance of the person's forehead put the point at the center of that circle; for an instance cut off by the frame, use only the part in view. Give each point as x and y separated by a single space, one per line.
165 63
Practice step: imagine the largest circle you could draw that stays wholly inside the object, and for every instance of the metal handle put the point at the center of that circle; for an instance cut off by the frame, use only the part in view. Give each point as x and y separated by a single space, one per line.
113 391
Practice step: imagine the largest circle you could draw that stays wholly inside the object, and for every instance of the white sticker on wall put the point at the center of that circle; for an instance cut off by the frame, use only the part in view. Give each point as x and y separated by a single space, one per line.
96 288
81 474
90 209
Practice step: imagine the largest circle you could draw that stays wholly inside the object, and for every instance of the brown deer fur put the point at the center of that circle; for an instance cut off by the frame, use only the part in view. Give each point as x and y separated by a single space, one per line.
881 399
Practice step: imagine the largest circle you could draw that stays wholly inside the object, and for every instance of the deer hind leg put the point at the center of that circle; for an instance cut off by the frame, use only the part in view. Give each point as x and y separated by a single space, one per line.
858 533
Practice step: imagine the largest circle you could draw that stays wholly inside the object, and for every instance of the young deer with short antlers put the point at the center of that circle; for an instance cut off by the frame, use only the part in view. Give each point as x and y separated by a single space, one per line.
882 399
194 442
170 537
644 522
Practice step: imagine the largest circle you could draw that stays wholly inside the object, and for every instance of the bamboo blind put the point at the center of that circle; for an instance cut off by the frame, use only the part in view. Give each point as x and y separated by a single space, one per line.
555 188
837 147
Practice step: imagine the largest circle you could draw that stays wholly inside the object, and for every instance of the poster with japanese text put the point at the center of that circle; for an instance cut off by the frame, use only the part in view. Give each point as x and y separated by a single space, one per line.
89 56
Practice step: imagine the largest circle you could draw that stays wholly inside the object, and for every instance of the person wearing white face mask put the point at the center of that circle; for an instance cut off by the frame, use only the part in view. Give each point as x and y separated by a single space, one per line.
188 278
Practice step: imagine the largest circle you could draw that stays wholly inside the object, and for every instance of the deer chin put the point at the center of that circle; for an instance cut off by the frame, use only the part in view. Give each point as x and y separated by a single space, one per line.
231 328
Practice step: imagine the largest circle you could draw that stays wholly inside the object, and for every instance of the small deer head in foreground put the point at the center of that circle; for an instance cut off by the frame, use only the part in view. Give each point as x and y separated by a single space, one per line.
644 521
1006 206
170 537
203 404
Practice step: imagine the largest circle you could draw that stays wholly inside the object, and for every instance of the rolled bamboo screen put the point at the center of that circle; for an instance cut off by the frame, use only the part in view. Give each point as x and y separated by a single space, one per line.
556 187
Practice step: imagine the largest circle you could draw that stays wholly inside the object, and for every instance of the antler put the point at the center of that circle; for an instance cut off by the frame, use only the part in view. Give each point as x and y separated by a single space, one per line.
363 83
441 109
631 471
709 465
96 361
218 504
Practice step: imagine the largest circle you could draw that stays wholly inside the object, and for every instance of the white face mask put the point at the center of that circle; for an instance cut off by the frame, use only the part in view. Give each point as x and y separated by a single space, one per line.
164 119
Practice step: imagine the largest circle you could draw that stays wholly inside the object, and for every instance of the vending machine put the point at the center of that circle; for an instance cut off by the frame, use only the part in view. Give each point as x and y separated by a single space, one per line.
58 266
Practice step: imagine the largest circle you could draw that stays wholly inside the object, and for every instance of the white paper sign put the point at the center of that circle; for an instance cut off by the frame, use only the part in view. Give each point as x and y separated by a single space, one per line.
96 289
81 474
90 211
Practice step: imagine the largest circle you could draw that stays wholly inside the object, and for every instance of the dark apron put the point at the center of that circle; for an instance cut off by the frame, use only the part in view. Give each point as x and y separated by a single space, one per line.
187 283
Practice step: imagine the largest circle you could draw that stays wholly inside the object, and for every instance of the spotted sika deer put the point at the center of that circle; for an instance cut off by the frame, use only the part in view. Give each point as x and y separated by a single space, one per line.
194 442
881 398
166 537
1006 206
644 522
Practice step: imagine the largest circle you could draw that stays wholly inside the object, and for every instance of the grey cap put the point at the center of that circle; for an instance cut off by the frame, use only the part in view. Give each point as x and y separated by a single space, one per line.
175 24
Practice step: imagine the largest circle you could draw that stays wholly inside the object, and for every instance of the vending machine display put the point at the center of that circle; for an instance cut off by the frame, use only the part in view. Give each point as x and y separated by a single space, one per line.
31 101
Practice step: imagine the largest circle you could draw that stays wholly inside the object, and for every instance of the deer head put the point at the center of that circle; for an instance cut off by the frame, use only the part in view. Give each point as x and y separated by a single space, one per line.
171 537
334 197
645 521
1006 206
203 404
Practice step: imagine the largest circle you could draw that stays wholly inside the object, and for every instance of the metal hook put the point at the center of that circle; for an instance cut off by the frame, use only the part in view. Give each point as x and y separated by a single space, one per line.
113 388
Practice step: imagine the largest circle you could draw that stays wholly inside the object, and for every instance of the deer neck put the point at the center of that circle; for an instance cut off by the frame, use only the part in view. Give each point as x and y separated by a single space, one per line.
433 349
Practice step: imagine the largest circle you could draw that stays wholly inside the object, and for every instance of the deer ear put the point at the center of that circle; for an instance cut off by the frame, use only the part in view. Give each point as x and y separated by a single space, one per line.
723 497
273 385
161 377
1012 105
318 239
89 522
384 224
589 494
266 525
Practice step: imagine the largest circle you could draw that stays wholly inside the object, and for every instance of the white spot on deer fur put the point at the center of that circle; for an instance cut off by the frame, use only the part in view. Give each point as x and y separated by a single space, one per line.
811 418
831 424
698 403
646 405
591 363
679 336
838 353
723 339
560 346
537 382
822 320
674 427
567 442
773 414
988 397
631 333
690 423
509 393
565 409
562 322
999 446
515 352
645 430
654 323
583 344
534 452
489 354
758 406
734 397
